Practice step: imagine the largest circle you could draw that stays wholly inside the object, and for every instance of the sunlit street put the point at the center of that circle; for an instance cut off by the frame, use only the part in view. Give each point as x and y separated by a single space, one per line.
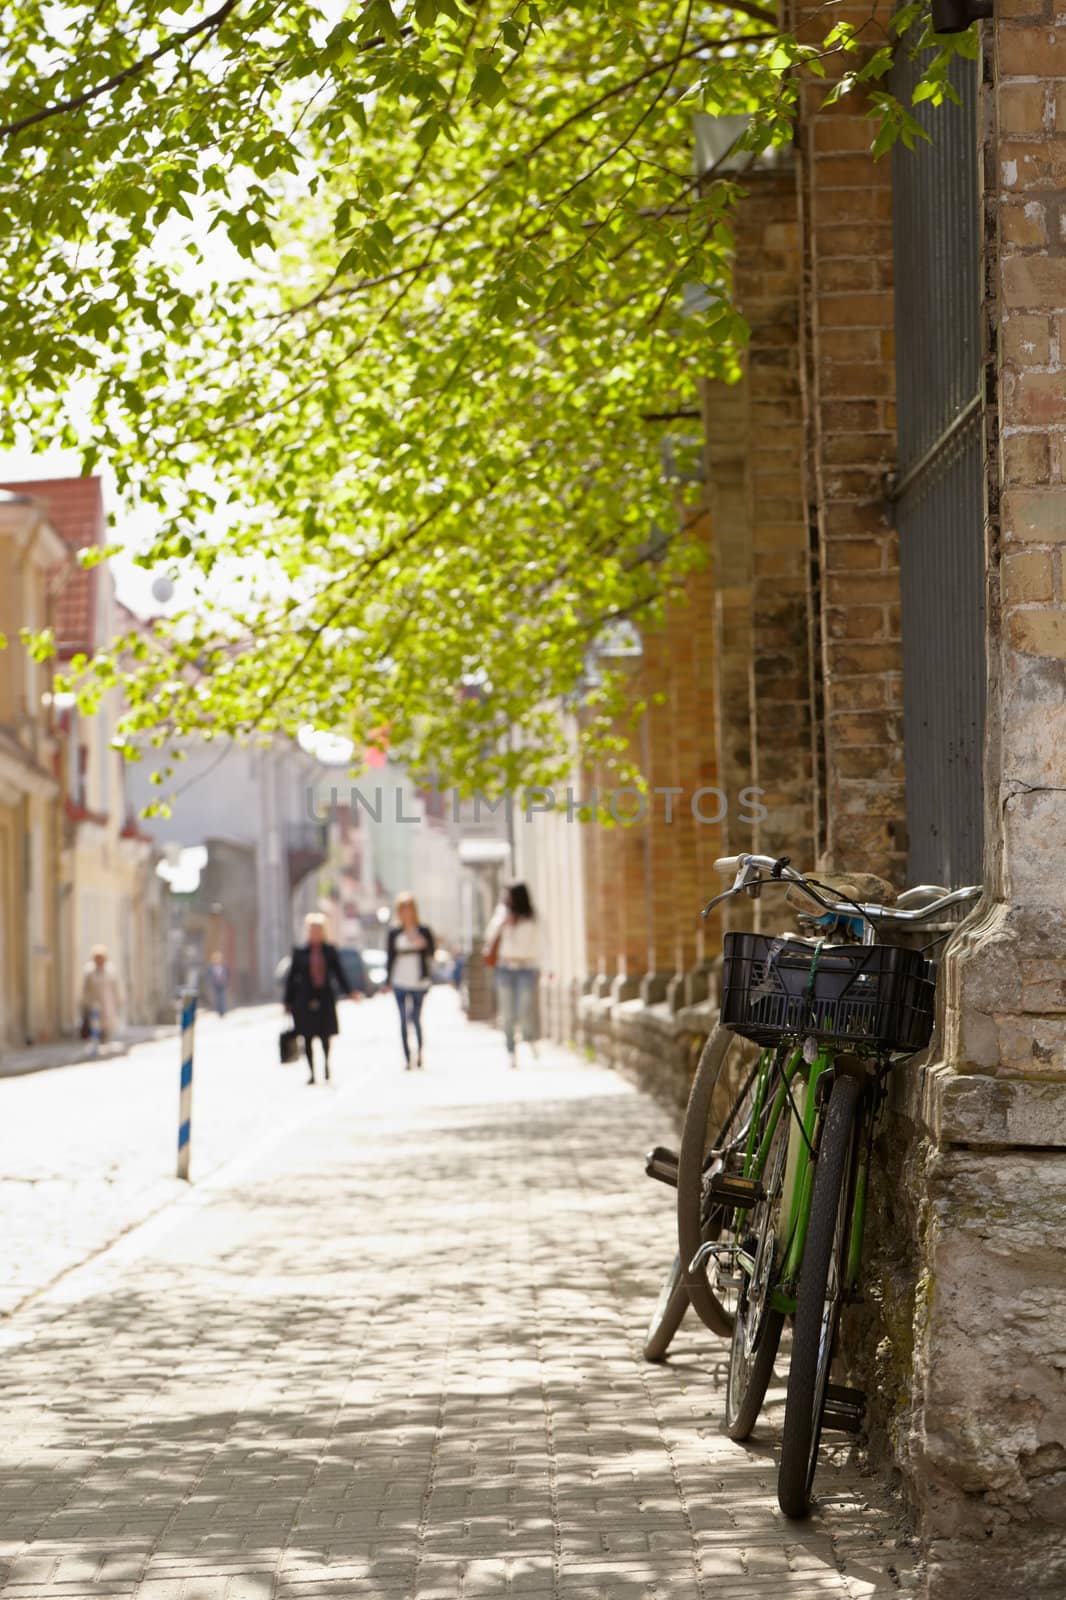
387 1344
533 800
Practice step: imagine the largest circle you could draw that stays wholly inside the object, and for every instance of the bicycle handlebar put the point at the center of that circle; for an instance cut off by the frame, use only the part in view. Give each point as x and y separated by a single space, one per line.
749 871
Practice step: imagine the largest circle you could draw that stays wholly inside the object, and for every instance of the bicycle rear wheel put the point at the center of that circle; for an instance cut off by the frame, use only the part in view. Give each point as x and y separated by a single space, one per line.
720 1096
822 1288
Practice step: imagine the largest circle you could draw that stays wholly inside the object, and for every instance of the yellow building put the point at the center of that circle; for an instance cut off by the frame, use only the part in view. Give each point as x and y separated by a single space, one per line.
31 974
109 893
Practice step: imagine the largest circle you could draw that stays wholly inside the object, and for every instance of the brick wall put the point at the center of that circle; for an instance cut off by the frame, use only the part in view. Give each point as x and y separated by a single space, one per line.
756 492
695 761
850 373
1031 107
662 839
768 281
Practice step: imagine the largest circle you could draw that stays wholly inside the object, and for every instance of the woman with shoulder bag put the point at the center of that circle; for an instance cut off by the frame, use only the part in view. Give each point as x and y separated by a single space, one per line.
512 946
309 994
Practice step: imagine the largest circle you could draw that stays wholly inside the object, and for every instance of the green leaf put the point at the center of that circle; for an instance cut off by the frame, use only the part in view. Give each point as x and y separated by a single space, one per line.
488 85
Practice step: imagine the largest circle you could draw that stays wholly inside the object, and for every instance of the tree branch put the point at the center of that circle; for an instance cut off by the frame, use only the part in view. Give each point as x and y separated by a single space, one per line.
76 102
757 13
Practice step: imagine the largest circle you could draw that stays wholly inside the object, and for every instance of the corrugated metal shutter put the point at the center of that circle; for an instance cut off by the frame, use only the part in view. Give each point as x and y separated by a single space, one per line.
940 482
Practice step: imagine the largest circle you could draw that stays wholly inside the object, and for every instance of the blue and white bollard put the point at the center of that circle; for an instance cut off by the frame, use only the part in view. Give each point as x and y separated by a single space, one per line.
188 1024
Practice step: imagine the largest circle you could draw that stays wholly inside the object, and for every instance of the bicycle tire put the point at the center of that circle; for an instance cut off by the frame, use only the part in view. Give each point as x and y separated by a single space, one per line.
753 1350
691 1223
819 1300
668 1315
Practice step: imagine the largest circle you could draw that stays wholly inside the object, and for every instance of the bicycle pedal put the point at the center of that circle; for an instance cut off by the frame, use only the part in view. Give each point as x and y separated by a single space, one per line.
661 1164
740 1192
844 1408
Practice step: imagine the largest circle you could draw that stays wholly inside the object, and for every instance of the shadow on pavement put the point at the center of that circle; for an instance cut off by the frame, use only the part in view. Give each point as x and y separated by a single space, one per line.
405 1361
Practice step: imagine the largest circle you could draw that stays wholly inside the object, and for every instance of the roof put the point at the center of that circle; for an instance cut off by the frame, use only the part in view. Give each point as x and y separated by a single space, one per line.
75 508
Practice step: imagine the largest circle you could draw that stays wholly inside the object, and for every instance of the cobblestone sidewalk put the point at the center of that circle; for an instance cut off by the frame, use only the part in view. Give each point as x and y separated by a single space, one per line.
401 1358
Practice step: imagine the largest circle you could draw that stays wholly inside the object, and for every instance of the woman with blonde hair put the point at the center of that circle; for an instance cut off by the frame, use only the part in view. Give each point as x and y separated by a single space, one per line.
314 969
409 951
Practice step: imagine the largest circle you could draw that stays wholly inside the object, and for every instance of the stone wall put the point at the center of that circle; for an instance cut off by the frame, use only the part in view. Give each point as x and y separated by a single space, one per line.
653 1046
985 1455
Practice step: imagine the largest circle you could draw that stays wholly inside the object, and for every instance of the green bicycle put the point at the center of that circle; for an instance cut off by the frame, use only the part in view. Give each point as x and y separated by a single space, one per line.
774 1161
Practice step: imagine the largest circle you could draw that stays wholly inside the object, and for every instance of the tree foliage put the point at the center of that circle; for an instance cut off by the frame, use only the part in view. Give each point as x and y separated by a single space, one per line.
379 306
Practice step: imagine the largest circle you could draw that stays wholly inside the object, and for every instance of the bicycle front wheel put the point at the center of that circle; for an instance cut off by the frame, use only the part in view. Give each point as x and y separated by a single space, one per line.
668 1315
822 1288
757 1324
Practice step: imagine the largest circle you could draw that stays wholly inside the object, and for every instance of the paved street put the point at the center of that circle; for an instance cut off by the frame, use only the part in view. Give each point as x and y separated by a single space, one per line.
87 1151
388 1344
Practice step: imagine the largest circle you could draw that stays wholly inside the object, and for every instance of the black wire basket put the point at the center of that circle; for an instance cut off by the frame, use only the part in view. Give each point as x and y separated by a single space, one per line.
877 996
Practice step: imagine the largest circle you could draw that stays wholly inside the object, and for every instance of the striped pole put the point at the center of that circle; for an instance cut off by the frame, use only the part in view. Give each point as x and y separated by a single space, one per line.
188 1024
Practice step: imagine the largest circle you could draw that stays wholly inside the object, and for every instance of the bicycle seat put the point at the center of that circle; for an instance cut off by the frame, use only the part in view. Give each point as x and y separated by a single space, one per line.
865 888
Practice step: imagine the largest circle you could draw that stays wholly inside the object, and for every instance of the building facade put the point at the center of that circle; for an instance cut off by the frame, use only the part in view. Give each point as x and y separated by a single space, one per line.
33 977
109 893
877 650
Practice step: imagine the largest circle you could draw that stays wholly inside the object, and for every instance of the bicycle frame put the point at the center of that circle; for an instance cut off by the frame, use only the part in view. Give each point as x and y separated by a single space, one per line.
796 1096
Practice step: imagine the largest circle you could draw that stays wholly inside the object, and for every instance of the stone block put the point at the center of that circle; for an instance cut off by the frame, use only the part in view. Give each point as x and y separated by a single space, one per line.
1038 632
835 206
1037 514
1028 576
1035 397
873 310
654 986
1028 11
1032 1046
1024 222
1026 166
1032 52
1035 839
1026 340
1026 458
987 1453
1025 108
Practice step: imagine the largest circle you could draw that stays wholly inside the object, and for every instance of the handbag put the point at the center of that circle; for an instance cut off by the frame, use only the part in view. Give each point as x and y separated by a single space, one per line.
288 1045
492 954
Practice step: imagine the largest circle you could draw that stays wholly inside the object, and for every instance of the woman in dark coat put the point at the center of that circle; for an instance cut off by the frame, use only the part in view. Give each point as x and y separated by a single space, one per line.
309 995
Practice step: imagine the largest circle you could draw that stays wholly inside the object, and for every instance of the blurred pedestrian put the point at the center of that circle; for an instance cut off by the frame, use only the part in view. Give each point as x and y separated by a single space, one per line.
101 996
409 953
309 994
218 978
512 946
